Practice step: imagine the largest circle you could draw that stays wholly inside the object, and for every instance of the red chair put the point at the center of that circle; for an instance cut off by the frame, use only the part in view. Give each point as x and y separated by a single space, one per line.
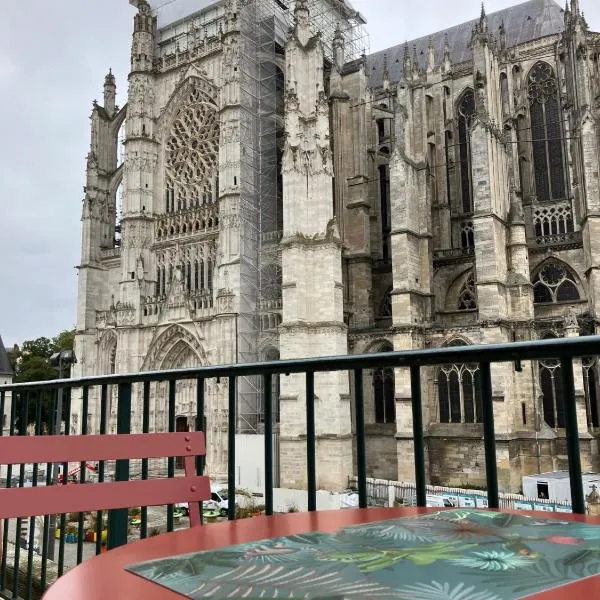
55 499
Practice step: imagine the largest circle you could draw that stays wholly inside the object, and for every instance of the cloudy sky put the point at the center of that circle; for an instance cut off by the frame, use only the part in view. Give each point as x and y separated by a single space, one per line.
53 58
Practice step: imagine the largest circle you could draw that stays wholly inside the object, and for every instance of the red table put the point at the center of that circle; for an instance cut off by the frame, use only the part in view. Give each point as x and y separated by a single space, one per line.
104 576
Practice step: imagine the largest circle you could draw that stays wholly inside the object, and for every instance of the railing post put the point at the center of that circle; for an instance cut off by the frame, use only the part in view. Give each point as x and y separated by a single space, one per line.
311 442
231 429
170 459
418 442
489 435
117 519
577 497
200 460
145 429
200 420
268 389
103 421
361 450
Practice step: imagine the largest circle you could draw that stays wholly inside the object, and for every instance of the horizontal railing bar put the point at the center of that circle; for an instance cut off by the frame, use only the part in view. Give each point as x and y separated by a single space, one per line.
492 353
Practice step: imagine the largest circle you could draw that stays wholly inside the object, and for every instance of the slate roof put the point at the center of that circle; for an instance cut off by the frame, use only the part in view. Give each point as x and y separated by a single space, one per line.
4 362
523 23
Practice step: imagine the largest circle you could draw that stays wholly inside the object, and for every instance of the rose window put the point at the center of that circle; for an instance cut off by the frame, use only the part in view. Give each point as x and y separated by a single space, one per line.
192 154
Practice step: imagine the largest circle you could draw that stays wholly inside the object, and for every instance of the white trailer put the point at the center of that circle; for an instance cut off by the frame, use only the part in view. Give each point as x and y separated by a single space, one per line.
556 485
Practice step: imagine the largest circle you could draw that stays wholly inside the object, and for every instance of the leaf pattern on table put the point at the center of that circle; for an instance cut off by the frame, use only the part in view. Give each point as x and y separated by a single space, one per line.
492 561
444 591
458 554
278 581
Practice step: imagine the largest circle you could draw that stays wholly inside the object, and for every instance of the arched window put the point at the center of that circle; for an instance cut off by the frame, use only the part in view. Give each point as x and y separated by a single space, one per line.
384 392
459 392
552 390
467 234
546 133
504 94
554 282
467 299
466 110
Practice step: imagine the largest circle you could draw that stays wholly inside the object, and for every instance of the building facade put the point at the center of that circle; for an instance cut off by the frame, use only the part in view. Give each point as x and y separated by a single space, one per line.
6 377
281 193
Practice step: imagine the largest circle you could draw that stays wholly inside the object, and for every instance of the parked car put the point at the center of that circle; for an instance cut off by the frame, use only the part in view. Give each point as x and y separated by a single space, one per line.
218 496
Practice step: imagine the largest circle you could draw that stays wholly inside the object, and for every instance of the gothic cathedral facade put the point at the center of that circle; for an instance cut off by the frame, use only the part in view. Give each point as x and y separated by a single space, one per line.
280 193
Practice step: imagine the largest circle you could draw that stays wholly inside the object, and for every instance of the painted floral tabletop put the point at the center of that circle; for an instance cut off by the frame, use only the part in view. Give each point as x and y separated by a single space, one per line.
447 555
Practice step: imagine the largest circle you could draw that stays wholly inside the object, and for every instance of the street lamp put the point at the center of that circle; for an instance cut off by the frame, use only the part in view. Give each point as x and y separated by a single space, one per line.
62 360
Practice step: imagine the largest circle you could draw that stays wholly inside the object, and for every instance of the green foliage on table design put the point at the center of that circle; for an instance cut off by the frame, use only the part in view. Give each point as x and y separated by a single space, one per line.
374 560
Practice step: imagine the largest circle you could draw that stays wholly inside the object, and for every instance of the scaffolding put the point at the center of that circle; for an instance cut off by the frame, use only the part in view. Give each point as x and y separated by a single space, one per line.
326 16
264 27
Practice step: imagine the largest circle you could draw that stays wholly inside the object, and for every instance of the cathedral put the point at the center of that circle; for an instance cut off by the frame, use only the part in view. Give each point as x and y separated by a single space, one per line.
270 189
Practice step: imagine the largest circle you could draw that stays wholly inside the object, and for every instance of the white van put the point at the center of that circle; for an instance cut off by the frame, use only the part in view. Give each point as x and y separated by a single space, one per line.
218 496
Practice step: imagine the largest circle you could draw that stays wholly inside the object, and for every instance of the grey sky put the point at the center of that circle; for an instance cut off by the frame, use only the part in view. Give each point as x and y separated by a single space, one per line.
53 58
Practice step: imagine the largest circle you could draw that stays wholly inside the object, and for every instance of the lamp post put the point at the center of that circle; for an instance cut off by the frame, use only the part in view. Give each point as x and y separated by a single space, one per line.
62 360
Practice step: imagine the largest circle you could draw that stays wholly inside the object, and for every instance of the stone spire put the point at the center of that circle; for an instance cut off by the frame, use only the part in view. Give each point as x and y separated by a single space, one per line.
447 54
502 36
302 21
339 52
430 56
415 62
575 7
483 22
386 73
481 30
407 64
110 93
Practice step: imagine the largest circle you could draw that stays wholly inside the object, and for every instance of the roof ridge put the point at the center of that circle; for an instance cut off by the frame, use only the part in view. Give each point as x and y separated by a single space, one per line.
5 368
523 23
474 20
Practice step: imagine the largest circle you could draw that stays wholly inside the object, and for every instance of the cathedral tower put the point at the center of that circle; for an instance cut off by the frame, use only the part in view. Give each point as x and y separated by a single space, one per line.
312 270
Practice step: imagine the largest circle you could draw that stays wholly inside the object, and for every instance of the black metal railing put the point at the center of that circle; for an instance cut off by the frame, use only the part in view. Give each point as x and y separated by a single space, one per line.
34 405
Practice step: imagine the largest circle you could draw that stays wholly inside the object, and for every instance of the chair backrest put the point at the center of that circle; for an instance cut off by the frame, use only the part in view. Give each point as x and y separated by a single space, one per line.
55 499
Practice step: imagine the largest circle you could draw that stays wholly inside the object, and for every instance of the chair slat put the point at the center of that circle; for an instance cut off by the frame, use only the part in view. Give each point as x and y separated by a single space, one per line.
55 499
79 448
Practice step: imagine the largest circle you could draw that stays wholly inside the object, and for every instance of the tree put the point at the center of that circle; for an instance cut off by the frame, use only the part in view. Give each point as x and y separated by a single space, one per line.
32 363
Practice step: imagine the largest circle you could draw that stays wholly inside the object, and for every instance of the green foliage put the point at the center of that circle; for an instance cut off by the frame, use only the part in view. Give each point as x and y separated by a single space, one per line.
42 347
34 368
31 363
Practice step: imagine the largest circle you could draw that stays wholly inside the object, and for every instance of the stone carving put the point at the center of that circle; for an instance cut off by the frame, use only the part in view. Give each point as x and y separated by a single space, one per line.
571 320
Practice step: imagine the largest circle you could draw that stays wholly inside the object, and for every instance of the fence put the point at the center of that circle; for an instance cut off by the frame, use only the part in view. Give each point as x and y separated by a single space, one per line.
28 401
385 492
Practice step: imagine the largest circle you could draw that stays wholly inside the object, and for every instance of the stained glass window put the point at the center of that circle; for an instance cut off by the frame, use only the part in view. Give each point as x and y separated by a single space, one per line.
384 394
552 390
554 283
466 110
192 154
546 133
459 392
